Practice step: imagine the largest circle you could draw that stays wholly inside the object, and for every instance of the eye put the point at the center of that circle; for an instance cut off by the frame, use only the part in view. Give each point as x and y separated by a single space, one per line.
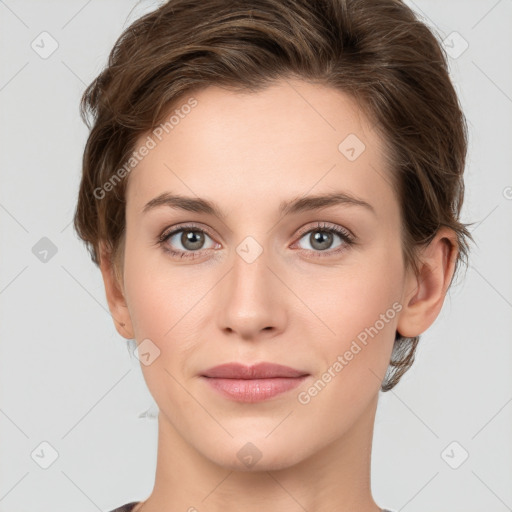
322 236
189 241
190 238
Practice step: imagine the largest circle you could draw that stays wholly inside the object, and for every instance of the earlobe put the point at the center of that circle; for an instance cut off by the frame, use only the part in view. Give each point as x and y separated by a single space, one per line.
115 295
424 293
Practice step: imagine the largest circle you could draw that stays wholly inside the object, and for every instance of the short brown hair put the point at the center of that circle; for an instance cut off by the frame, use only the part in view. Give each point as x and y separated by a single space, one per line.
377 51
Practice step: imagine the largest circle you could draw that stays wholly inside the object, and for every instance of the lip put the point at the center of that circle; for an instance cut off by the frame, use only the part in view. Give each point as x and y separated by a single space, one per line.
253 383
256 371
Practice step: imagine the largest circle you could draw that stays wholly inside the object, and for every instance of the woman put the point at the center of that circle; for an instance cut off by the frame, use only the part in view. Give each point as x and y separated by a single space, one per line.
272 191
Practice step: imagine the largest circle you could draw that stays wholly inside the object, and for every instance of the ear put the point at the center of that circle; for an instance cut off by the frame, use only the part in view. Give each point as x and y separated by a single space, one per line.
424 293
115 295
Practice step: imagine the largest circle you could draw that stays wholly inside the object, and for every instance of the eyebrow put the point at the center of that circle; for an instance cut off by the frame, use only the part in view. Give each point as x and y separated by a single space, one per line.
301 204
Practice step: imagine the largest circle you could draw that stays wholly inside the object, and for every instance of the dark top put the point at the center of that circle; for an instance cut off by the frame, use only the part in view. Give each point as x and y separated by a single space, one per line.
127 508
130 506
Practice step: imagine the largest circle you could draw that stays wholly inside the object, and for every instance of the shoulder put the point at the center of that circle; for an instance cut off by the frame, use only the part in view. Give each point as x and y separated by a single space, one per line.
126 508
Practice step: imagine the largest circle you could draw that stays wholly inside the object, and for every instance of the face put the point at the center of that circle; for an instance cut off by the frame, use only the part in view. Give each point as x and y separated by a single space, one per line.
316 287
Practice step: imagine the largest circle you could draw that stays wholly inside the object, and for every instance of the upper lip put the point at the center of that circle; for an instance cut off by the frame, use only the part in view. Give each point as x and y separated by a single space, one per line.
257 371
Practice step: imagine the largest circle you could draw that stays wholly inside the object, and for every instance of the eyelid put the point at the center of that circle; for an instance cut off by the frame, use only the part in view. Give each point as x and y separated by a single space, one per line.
302 231
183 226
347 237
319 225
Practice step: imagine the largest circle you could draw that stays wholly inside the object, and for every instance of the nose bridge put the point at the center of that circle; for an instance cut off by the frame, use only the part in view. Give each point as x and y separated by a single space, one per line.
250 266
250 275
250 301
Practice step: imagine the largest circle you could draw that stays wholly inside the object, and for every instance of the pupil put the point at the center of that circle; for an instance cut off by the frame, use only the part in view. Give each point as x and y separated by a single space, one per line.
319 239
192 239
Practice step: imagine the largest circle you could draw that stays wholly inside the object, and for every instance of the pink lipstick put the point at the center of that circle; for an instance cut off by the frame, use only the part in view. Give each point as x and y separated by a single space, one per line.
253 383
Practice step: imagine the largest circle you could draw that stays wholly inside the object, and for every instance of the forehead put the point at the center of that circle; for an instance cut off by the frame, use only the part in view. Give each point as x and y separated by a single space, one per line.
247 149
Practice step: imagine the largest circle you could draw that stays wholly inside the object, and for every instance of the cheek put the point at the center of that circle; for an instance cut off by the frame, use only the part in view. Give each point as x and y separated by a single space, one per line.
358 295
163 303
362 313
151 300
363 300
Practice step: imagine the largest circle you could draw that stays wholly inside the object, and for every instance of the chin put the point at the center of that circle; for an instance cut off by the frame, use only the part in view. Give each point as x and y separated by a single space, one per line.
254 454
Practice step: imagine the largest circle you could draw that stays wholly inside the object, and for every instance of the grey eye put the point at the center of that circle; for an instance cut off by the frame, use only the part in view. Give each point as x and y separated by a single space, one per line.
320 239
190 239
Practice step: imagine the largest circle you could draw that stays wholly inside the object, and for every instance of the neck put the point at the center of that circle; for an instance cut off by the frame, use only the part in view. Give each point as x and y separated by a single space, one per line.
335 479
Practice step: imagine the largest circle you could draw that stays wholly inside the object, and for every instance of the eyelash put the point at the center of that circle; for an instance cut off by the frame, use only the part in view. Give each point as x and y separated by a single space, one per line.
347 238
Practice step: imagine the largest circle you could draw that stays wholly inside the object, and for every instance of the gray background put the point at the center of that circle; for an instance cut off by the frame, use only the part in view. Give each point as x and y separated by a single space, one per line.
68 379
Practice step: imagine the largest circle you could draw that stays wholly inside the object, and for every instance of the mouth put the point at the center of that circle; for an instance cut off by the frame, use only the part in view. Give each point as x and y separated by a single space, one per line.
255 383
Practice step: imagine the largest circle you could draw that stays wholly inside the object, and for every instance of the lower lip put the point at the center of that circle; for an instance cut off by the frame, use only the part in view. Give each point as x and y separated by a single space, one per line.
254 390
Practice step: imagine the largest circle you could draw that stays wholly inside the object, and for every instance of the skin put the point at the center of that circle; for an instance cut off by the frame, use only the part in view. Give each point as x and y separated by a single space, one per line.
247 153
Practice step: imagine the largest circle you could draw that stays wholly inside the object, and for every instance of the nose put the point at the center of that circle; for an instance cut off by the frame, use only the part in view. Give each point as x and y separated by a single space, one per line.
251 300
